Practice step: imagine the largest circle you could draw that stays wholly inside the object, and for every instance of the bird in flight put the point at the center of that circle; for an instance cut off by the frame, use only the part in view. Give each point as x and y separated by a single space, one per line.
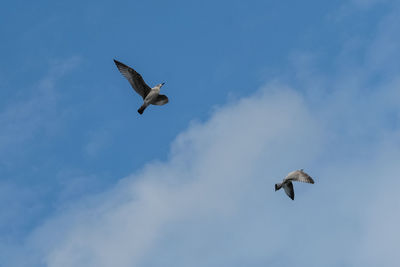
287 185
149 95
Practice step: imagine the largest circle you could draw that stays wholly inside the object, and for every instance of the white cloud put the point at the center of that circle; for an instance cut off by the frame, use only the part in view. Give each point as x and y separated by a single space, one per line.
213 203
217 170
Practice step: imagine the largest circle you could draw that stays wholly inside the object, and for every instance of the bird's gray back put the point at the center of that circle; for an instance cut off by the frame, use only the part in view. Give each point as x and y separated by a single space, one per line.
299 176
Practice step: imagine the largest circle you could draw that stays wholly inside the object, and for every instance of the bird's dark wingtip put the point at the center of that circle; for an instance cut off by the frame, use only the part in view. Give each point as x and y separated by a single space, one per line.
118 63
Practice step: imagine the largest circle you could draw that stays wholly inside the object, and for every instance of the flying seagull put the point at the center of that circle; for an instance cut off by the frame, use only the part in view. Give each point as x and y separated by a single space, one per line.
287 185
149 95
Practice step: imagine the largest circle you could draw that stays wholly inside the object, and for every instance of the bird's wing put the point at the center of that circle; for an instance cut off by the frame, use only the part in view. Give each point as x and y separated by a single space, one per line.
299 176
160 100
134 78
288 186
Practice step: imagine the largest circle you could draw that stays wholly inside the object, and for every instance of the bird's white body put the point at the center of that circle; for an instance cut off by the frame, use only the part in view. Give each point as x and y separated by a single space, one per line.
154 92
151 98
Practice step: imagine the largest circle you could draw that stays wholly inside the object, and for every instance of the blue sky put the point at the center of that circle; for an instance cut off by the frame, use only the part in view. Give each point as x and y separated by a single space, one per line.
257 89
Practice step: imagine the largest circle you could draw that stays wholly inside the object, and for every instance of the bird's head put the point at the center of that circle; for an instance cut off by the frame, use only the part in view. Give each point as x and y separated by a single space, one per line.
160 85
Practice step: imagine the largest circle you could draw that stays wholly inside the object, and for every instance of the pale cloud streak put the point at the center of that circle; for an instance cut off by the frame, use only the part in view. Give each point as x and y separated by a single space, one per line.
33 112
368 3
27 118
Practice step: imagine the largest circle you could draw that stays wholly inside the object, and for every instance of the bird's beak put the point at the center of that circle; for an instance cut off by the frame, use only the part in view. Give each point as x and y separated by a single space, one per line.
162 83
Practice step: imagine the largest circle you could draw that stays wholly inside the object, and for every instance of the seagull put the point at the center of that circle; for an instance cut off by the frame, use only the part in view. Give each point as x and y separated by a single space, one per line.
149 95
287 185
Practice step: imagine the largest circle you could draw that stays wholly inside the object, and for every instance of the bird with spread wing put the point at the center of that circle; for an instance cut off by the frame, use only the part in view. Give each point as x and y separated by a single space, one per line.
150 95
299 176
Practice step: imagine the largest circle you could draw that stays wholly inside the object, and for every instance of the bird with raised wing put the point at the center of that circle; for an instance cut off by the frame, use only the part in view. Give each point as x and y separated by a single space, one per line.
287 185
150 95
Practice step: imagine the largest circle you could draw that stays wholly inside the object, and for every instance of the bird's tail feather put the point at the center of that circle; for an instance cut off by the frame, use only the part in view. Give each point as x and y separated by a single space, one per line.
141 109
278 186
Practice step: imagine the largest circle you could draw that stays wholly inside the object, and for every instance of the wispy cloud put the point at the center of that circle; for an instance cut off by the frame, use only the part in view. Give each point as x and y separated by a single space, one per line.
32 113
368 3
98 140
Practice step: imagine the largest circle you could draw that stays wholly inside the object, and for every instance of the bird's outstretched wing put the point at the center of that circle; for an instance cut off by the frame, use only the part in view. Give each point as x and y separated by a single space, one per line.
134 78
288 186
299 176
161 100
